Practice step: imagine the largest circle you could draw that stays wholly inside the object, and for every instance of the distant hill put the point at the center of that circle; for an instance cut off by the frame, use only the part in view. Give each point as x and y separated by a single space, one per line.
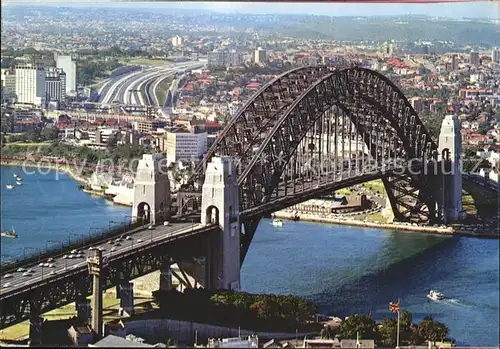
471 32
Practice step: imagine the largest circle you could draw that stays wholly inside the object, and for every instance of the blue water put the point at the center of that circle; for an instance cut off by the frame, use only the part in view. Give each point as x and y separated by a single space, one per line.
48 207
345 270
341 269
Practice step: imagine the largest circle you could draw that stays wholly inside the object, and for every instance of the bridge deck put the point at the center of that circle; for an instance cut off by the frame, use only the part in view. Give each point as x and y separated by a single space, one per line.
66 267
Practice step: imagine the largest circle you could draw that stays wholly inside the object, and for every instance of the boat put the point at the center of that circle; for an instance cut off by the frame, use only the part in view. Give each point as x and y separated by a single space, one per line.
277 222
10 233
15 175
435 295
9 187
19 183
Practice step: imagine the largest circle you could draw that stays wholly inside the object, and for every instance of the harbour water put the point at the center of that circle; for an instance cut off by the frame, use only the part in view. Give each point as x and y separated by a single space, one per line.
341 269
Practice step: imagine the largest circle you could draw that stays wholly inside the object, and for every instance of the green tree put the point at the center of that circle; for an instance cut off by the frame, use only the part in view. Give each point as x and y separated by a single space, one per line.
358 323
432 330
388 332
328 333
49 133
33 135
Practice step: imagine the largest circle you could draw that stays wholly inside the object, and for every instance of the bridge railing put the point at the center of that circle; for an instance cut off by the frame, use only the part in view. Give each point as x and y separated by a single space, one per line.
62 249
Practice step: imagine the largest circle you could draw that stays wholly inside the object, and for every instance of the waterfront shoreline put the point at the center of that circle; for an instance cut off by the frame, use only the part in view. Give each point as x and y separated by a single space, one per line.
71 172
447 231
348 221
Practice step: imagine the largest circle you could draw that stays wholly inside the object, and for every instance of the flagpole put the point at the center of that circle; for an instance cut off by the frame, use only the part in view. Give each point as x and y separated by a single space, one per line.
397 335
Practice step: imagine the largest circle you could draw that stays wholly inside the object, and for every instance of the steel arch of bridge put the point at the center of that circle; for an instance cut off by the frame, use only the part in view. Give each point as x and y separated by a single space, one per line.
265 138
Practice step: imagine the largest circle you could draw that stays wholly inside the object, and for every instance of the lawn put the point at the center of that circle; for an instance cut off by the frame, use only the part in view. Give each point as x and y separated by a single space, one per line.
345 191
478 200
162 89
30 144
144 61
375 186
376 217
110 312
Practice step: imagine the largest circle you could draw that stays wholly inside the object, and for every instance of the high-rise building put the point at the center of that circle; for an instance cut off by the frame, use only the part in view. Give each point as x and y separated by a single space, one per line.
474 58
260 56
55 85
454 62
185 145
177 41
30 84
388 49
495 55
8 86
225 59
69 67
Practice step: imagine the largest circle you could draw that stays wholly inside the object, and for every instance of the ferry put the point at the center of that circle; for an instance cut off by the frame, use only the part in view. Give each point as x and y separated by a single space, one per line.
435 295
9 187
277 222
10 233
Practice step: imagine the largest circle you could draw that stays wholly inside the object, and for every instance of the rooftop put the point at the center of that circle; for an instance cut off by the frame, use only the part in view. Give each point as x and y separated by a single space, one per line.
118 342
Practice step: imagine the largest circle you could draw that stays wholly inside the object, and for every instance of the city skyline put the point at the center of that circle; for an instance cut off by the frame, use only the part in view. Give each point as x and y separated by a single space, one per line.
486 9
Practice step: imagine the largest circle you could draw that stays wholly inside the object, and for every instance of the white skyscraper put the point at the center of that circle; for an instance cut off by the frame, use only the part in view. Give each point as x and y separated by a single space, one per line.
495 55
69 67
30 84
55 85
260 56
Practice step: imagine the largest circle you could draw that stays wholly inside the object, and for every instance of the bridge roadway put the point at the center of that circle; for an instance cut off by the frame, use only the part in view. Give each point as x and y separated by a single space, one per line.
63 267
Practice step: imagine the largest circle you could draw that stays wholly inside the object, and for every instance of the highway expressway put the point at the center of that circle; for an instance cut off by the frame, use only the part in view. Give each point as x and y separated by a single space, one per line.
18 281
126 89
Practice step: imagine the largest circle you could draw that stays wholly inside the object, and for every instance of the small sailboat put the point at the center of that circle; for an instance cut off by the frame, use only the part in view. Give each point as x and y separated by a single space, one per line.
9 186
277 222
10 233
435 295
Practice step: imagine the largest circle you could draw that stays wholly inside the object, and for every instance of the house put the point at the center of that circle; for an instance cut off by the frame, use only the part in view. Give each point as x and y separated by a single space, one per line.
272 344
115 328
353 343
322 343
81 335
111 341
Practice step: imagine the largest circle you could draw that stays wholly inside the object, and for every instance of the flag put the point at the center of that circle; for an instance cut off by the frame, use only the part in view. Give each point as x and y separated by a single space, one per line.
394 307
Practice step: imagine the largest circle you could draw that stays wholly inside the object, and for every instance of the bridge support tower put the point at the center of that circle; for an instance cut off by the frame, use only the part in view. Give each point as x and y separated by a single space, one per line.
450 149
94 263
151 190
83 309
166 277
35 331
126 299
220 205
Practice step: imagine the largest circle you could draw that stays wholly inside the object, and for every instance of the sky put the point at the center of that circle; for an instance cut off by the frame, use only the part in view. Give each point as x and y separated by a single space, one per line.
486 9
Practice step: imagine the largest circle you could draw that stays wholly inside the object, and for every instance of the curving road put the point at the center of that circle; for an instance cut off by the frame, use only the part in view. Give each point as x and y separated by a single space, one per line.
139 238
126 89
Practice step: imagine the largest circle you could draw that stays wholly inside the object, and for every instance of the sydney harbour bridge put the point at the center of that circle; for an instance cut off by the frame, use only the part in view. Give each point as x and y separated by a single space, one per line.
305 133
